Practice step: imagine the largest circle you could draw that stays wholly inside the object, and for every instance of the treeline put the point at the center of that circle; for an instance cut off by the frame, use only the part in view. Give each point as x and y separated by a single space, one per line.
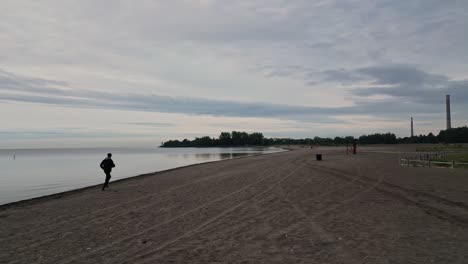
225 139
235 138
454 135
388 138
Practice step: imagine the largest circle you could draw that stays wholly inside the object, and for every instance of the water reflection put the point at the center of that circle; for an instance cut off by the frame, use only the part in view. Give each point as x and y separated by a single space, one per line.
211 154
200 157
208 156
218 156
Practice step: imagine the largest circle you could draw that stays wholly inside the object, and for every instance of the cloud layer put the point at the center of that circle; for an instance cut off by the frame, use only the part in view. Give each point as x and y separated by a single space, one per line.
331 63
413 90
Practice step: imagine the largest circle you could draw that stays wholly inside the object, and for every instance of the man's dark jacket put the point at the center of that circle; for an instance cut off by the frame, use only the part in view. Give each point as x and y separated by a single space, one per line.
107 164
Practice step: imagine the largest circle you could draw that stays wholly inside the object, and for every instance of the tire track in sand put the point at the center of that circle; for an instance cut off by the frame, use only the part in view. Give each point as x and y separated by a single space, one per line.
207 222
128 239
334 204
261 211
441 208
330 189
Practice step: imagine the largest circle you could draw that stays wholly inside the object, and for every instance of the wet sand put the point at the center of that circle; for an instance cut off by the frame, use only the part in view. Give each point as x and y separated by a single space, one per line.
277 208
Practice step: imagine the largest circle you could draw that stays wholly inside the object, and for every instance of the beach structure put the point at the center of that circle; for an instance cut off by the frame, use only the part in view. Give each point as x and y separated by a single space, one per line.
447 105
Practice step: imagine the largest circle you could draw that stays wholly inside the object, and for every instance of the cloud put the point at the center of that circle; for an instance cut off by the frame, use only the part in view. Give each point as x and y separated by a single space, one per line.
341 75
401 74
10 81
418 98
54 134
151 124
410 83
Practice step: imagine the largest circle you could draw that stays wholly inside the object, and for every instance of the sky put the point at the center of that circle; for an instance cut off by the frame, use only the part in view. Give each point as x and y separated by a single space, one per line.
136 73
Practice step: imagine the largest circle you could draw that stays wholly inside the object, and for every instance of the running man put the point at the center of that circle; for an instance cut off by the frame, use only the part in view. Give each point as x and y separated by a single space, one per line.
107 164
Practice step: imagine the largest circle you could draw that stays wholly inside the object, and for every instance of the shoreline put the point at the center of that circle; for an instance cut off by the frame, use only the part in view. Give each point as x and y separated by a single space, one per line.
53 196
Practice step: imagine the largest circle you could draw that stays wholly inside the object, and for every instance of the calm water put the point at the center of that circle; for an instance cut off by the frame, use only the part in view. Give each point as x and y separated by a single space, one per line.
38 172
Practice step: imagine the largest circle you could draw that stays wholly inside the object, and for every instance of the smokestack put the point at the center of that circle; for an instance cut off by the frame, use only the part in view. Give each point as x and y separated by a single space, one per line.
412 129
449 119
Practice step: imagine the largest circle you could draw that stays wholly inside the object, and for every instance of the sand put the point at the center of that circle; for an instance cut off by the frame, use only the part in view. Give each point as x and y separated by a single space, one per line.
277 208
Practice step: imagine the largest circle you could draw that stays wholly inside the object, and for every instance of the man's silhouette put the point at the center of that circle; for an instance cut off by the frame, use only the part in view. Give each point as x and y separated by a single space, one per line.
107 164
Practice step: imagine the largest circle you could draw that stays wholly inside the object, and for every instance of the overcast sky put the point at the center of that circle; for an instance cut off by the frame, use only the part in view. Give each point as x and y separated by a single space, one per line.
126 73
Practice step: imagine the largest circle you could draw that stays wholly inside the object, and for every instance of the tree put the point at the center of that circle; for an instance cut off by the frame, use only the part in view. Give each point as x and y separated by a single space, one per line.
454 135
388 138
255 139
236 138
225 139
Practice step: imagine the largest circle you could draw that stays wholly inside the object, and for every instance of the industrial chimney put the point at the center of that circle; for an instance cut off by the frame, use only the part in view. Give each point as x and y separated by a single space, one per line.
449 119
412 130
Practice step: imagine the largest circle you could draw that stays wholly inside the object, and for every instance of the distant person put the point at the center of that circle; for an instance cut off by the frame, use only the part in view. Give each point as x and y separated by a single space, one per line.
106 165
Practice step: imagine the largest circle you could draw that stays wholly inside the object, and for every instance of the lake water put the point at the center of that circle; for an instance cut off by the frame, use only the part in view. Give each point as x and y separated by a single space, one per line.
28 173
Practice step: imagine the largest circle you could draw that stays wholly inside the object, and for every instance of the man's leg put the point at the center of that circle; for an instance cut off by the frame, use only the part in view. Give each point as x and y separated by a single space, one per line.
108 177
106 183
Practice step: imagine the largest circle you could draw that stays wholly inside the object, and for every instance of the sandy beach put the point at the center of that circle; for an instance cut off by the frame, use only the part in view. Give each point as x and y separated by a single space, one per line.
277 208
